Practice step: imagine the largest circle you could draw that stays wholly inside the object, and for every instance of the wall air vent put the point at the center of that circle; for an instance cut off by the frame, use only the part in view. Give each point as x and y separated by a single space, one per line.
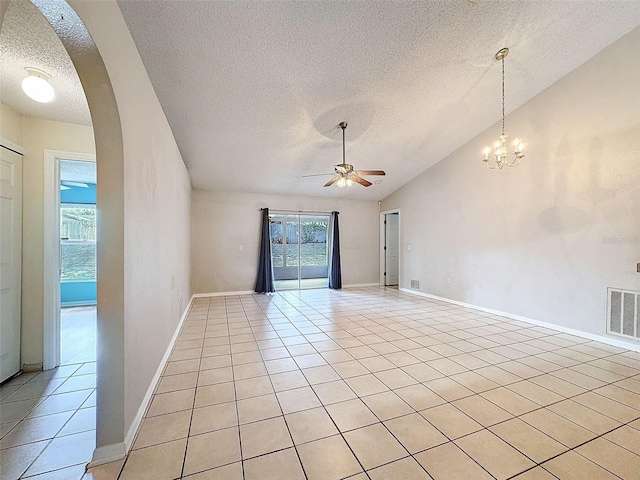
415 284
623 313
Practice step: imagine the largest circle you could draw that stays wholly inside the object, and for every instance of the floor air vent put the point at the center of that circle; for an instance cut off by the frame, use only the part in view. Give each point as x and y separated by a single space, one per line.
415 284
623 313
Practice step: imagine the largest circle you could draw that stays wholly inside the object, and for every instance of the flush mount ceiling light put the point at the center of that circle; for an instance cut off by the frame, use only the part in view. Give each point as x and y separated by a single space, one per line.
36 85
500 156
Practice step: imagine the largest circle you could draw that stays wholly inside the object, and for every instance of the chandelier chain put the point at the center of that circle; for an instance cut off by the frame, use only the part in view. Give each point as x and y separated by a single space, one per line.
502 95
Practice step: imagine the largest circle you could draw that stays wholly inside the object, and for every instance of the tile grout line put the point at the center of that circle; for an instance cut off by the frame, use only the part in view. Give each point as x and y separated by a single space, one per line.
341 321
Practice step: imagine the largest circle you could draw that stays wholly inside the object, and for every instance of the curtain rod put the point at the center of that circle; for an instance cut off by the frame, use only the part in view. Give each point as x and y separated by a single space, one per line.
297 211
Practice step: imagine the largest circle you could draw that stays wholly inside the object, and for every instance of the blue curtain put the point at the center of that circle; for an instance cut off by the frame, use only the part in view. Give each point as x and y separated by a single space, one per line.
264 281
335 273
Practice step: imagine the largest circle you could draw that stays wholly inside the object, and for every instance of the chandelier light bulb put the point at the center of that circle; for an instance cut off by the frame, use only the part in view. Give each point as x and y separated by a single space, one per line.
37 87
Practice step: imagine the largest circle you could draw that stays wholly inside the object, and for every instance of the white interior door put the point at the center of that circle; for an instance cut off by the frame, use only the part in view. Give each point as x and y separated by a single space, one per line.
392 250
10 261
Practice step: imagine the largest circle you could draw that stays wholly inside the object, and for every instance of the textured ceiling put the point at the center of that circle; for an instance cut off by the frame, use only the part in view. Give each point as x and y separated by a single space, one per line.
254 91
27 40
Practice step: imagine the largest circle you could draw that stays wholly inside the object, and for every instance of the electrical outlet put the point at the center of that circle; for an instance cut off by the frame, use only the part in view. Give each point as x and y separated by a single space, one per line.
448 280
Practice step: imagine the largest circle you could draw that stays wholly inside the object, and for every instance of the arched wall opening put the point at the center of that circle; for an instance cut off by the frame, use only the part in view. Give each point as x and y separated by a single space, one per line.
110 424
143 202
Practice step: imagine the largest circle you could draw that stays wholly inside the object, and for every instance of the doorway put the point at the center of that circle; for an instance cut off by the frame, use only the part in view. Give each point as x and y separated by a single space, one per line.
78 286
299 250
390 248
70 259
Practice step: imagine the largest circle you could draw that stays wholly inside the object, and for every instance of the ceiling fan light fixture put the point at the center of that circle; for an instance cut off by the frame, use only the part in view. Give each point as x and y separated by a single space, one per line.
36 85
345 175
344 181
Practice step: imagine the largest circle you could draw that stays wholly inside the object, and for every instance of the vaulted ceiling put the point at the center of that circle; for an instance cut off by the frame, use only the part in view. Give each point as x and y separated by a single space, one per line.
254 91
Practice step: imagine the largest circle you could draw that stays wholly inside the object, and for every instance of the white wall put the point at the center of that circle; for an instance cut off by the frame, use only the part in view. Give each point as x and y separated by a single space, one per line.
543 240
10 124
222 221
36 135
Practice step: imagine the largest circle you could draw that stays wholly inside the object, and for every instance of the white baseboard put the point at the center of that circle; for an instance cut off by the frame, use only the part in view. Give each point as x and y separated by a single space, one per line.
223 294
578 333
133 428
356 285
107 454
117 451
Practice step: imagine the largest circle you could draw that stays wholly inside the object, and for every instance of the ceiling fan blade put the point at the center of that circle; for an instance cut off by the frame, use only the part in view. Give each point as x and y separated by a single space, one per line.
317 175
332 181
370 172
361 181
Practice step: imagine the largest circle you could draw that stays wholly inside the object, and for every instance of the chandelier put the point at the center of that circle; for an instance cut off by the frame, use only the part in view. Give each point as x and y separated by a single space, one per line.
501 156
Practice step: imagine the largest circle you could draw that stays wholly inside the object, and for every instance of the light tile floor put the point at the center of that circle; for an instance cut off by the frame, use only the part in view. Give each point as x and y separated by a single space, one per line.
374 383
47 419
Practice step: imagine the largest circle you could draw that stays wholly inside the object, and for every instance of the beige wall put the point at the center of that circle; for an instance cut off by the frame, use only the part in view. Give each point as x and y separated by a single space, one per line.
40 135
221 222
10 124
543 240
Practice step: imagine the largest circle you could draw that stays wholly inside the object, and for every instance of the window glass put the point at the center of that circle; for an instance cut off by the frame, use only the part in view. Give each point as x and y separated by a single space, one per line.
78 242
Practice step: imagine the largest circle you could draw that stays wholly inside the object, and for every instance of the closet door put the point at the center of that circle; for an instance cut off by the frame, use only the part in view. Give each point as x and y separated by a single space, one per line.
10 261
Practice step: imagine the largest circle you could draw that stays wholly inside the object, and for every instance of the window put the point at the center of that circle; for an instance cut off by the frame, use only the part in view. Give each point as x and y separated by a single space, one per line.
78 242
299 251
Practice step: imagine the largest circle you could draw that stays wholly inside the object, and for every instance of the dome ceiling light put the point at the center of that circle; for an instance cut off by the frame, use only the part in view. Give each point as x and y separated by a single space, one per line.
36 85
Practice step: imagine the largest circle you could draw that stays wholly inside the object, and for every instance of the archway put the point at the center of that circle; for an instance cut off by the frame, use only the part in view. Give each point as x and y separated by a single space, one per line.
110 236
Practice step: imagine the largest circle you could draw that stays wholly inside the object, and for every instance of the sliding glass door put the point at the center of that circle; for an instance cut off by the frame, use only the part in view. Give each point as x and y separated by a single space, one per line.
299 251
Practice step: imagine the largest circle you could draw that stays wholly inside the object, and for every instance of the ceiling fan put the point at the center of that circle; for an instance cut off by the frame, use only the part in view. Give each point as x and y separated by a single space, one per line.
345 175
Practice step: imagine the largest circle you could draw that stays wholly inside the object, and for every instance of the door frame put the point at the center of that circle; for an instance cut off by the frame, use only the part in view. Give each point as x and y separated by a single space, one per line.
382 244
51 267
313 270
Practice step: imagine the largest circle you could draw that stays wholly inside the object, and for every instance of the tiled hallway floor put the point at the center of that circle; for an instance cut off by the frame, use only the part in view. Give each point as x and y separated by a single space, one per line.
374 383
47 419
